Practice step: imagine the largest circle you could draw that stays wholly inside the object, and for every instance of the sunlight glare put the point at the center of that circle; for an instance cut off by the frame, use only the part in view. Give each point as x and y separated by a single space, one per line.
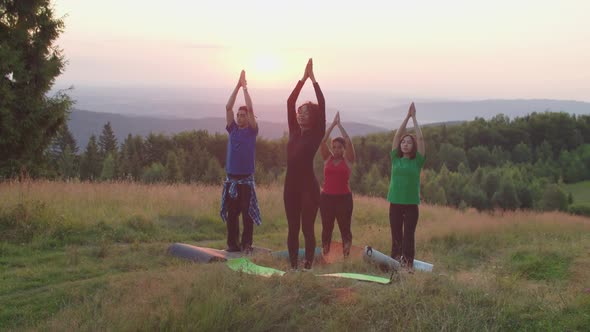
266 63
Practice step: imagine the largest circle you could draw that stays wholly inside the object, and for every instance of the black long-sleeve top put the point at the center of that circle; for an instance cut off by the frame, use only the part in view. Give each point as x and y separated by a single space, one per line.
303 146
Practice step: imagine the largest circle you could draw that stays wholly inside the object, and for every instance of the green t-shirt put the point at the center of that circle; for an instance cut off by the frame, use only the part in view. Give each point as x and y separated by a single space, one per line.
404 187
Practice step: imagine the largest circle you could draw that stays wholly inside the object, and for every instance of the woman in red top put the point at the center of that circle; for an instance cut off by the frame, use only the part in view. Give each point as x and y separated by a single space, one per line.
336 197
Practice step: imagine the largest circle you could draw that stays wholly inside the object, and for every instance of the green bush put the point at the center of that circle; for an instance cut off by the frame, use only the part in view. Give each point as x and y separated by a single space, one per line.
580 209
154 174
26 220
554 198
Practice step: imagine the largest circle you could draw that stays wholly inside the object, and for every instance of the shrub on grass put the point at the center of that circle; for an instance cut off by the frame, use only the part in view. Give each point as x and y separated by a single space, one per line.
26 220
580 209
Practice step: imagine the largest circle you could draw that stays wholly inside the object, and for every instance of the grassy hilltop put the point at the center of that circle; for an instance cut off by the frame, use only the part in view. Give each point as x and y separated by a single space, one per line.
81 256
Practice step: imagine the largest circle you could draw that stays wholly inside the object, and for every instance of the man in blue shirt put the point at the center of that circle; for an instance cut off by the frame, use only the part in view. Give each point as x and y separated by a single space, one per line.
239 194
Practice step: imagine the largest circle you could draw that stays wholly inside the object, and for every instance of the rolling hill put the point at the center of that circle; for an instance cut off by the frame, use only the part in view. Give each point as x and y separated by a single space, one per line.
84 123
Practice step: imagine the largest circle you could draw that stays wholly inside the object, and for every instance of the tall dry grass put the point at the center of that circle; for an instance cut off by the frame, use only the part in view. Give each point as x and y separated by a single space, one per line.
480 281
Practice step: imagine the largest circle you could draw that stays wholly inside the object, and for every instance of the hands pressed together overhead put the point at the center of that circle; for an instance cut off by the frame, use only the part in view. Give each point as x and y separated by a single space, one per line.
412 111
242 81
336 121
309 71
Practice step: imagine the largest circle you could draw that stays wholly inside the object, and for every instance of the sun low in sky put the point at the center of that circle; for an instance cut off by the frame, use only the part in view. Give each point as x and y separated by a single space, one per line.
449 49
265 67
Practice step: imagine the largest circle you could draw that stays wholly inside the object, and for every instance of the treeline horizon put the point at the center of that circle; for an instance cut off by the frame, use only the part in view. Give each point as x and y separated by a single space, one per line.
485 164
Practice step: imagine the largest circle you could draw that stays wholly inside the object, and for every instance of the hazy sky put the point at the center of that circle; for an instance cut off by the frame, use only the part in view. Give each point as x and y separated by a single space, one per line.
447 49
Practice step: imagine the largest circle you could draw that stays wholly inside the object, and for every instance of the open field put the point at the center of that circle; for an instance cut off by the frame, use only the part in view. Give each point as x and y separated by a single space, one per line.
580 191
81 256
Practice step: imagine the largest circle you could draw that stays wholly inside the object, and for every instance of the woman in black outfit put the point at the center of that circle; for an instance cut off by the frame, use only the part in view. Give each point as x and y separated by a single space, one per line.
302 191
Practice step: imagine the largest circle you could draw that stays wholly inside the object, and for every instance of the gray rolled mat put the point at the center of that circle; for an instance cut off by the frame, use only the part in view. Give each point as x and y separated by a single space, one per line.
208 255
376 257
197 254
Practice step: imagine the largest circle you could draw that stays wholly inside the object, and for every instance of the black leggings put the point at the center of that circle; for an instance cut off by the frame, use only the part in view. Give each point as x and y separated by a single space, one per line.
301 207
403 219
235 207
339 208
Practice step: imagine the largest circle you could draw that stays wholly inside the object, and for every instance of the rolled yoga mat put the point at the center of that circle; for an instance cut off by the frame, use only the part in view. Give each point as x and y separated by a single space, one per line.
208 255
422 266
380 259
386 262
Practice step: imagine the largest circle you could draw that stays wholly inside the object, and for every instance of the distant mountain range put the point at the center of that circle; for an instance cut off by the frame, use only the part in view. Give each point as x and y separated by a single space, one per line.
378 109
139 112
82 124
468 110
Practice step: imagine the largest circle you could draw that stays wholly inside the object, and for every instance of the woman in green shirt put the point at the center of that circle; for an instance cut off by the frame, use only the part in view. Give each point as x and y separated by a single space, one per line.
407 160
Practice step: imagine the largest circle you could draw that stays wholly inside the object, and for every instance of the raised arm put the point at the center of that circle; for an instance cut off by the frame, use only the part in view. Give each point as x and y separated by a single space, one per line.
251 118
291 112
419 136
349 153
229 107
402 129
324 146
319 95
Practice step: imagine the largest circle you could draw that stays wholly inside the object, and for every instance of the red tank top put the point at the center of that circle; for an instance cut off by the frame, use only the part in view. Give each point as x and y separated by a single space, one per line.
336 178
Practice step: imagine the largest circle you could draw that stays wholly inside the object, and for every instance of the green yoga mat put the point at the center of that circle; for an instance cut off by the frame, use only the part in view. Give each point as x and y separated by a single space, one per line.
246 266
358 276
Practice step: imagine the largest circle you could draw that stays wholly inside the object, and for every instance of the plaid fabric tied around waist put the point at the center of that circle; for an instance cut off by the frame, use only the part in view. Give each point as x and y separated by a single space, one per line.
230 186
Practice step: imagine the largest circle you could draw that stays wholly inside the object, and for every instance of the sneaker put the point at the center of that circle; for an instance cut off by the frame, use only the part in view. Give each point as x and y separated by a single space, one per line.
294 270
306 266
403 262
232 249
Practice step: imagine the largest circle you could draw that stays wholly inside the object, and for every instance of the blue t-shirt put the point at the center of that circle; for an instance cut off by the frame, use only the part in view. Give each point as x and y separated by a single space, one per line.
241 149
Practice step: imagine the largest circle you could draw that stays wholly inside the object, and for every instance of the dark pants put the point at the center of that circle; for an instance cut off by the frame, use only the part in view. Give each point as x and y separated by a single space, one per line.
339 208
403 219
235 207
301 207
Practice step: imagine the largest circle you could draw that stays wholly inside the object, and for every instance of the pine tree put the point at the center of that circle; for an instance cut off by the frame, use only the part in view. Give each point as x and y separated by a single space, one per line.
91 165
63 153
107 172
62 140
29 64
107 141
125 158
137 156
67 164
